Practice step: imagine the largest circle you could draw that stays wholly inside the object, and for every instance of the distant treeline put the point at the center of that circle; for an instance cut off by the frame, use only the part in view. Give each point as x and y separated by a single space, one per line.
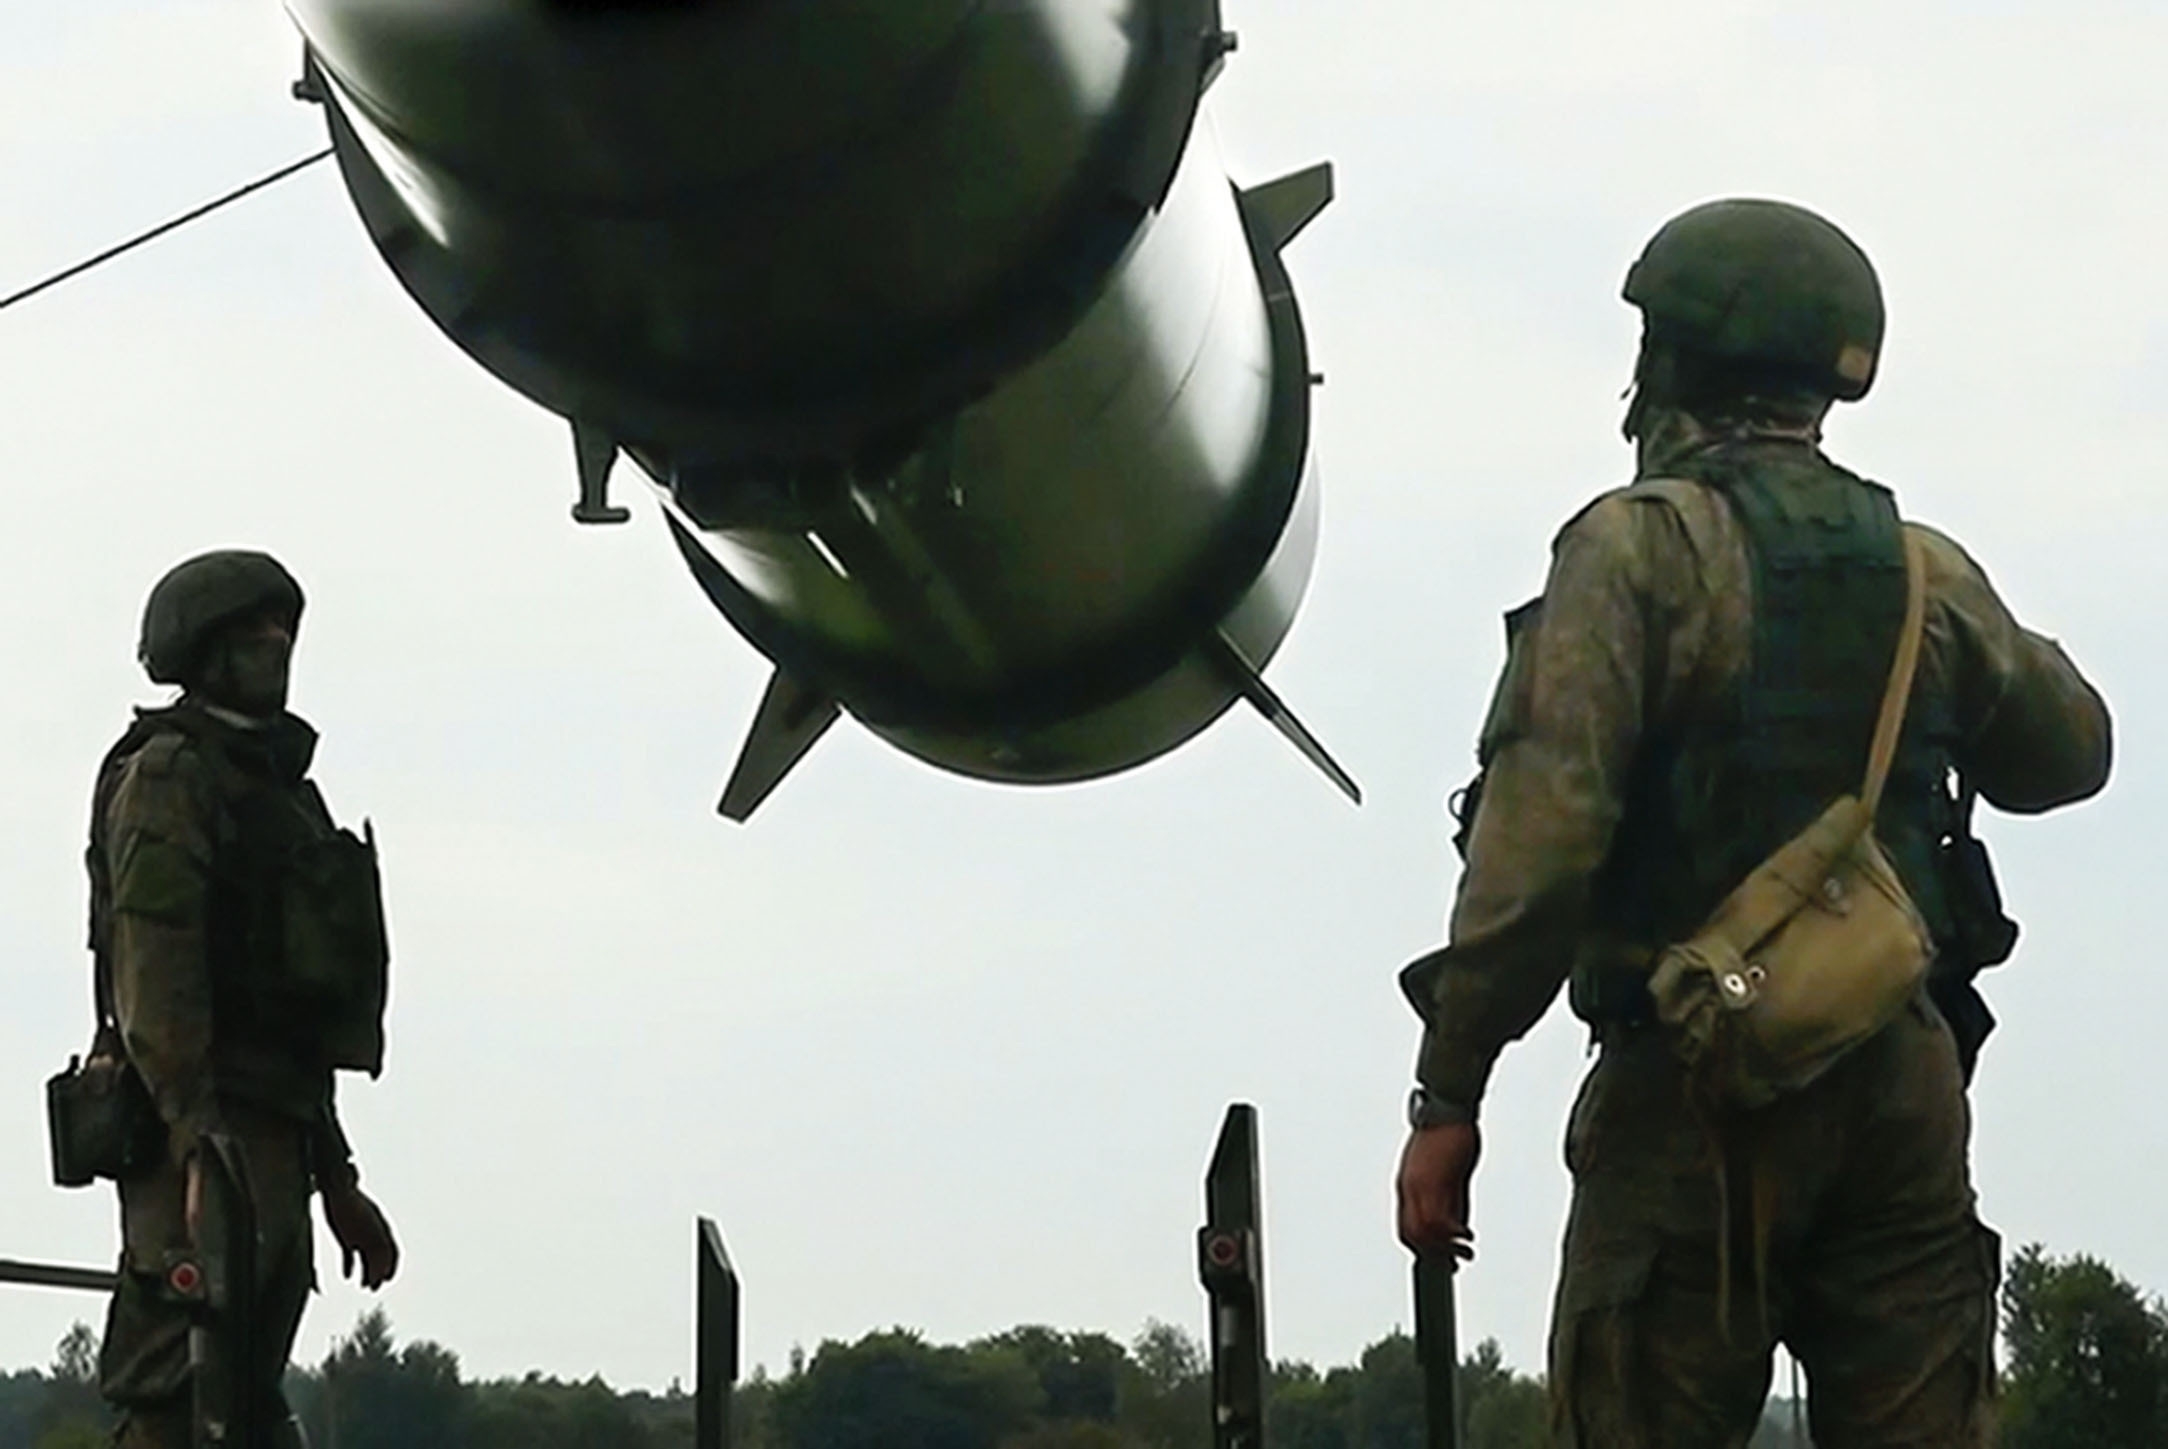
2087 1351
1029 1388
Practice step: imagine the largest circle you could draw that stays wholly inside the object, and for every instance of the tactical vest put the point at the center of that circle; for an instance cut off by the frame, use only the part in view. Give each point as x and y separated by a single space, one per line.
1709 798
295 940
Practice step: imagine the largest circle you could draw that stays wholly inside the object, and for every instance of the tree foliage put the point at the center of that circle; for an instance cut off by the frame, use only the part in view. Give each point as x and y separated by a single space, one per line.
895 1388
1166 1390
60 1408
371 1395
75 1360
1378 1403
2088 1357
541 1411
1079 1374
1503 1409
2088 1363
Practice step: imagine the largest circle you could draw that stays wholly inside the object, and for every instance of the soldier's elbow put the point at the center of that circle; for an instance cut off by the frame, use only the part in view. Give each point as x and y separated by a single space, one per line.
2073 774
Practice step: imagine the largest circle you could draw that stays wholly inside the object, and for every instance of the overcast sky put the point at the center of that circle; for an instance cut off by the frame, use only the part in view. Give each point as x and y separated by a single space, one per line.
949 1055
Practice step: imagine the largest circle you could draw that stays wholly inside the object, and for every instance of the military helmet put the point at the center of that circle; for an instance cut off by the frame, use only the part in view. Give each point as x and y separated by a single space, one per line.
197 596
1767 285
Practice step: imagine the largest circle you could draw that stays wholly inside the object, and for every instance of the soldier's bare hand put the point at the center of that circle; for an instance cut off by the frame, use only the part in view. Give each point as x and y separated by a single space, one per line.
1435 1169
364 1235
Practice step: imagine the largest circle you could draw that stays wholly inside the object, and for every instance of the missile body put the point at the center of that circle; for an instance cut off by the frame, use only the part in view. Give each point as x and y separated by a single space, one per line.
974 394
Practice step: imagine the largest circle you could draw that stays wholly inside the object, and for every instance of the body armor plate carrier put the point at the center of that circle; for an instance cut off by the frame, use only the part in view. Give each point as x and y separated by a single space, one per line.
1711 797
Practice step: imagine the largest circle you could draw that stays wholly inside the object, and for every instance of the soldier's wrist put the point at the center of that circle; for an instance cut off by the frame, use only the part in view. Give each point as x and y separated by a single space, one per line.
1453 1069
1427 1109
337 1177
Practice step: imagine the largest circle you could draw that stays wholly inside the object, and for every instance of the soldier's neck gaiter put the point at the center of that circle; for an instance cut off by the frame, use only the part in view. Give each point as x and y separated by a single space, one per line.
247 674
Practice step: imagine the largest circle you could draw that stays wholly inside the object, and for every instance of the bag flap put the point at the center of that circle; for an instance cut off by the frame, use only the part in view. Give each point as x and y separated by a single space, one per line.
1791 878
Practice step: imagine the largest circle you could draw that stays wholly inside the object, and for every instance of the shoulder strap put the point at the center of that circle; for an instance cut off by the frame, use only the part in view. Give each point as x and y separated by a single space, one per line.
1899 693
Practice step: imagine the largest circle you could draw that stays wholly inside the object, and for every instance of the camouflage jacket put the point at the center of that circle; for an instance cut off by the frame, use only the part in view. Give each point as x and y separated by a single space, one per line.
169 843
1646 620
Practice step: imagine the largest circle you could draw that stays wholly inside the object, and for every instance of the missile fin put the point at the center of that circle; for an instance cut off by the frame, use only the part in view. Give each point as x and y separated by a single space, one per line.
596 452
791 717
1281 209
1245 676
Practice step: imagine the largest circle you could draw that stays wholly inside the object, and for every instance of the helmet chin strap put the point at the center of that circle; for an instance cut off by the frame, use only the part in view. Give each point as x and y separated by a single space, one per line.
1654 389
234 717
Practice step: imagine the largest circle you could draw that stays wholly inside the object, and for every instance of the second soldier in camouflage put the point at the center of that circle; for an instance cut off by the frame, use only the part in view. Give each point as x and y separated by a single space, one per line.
1699 679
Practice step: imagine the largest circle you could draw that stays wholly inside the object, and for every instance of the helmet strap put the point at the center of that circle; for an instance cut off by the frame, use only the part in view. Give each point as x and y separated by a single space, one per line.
1655 387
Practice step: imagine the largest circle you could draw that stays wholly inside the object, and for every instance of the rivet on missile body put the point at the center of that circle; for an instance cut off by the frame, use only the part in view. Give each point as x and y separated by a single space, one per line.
1223 1251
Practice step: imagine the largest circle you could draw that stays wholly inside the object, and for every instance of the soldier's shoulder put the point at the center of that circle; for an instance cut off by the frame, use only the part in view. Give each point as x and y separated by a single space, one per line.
1650 517
1937 545
1607 512
157 769
1951 568
166 752
1696 505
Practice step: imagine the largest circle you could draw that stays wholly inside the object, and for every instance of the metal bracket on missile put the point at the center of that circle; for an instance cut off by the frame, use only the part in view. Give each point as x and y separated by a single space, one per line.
1282 209
792 716
715 1348
1231 1262
1246 677
1217 47
1437 1350
309 88
597 454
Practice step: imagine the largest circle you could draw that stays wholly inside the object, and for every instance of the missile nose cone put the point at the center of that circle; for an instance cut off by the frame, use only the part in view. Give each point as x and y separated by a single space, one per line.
623 102
818 223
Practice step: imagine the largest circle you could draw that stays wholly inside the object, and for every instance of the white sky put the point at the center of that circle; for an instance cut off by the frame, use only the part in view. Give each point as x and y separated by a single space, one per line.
948 1055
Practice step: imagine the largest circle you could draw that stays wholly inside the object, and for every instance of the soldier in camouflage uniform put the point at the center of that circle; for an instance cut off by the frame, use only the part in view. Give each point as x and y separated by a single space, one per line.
1699 679
240 952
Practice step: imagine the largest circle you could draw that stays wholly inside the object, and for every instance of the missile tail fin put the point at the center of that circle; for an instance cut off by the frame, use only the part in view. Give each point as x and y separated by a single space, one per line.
1281 209
791 717
1246 677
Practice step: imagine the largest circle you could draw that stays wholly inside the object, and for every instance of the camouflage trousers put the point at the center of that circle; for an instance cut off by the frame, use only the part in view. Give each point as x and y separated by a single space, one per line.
144 1365
1838 1221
